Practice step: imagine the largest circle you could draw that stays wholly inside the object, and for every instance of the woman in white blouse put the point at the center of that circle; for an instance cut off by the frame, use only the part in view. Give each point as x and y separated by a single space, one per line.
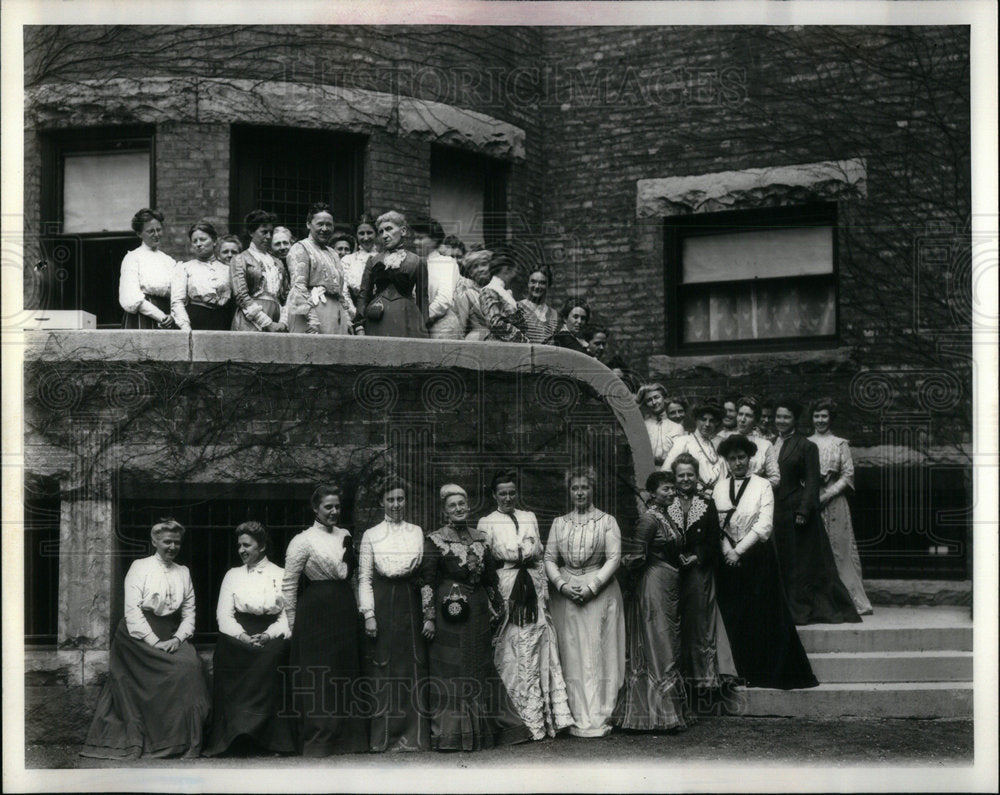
762 635
399 617
442 277
155 701
252 647
324 661
582 554
661 429
526 652
146 274
765 461
541 320
700 446
200 289
354 263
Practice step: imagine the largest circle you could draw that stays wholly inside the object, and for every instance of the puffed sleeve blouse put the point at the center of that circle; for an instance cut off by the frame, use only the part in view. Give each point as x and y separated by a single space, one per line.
318 553
654 538
311 265
206 283
509 542
753 514
161 588
594 544
836 466
391 549
256 590
145 272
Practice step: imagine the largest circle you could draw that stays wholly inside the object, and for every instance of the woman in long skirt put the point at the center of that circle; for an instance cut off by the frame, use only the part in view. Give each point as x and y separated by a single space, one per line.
399 619
247 681
653 697
765 643
836 468
324 660
527 652
469 705
581 557
813 587
155 702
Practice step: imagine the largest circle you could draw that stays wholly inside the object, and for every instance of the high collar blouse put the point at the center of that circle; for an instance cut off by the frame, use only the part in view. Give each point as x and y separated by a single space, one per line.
256 590
834 455
391 549
755 512
162 588
442 276
541 321
662 432
711 466
354 267
510 542
198 282
311 265
144 272
584 543
320 554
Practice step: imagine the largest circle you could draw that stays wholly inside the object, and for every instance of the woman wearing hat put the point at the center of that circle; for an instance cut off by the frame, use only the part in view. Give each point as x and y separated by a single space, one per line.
700 446
661 429
469 705
762 635
816 594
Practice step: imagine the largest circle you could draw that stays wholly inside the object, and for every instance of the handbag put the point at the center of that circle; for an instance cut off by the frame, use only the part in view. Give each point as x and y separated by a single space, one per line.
375 310
455 606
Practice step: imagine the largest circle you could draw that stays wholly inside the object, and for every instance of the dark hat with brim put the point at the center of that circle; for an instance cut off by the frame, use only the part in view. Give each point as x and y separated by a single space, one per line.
709 407
737 442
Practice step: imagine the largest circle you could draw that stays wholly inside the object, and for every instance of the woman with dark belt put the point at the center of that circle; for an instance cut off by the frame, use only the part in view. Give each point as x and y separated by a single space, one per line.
399 619
765 644
260 280
155 702
253 644
324 660
527 651
394 286
201 287
653 697
581 557
146 275
816 594
318 300
469 705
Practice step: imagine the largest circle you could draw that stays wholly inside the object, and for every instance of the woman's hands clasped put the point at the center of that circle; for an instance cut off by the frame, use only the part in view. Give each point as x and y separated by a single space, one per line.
170 645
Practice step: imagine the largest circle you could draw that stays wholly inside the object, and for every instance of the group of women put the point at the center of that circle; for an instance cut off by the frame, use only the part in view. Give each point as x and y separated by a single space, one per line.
810 477
464 638
390 278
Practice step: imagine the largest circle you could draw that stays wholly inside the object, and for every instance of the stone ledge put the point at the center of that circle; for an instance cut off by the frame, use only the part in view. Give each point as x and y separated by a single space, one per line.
744 364
919 592
751 187
218 101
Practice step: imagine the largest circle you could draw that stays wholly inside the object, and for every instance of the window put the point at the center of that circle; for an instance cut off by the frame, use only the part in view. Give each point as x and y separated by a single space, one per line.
752 279
284 171
469 195
93 181
209 548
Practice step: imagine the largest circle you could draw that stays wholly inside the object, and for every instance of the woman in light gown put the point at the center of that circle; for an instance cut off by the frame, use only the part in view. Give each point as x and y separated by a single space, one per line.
581 557
526 653
836 468
699 444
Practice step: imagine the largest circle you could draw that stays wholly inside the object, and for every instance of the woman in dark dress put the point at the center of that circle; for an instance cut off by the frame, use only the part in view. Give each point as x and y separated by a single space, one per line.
253 644
706 658
155 702
387 305
469 705
815 592
260 280
399 619
765 644
575 313
325 666
653 697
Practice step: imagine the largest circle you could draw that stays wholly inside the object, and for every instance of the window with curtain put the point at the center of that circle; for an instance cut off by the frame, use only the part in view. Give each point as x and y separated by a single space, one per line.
757 279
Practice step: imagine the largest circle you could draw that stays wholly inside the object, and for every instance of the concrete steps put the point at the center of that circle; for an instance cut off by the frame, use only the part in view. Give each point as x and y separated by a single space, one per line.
901 662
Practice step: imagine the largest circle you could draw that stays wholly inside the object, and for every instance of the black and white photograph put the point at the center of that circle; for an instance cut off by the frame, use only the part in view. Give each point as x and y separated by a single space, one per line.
500 396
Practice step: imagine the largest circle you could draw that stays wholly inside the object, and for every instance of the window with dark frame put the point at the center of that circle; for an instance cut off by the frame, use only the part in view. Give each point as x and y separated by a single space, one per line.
469 195
285 170
752 280
93 181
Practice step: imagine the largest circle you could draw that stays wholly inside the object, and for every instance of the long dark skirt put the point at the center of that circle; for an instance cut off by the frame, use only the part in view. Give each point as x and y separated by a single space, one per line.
706 656
136 321
813 587
653 696
765 643
469 705
323 683
400 317
247 687
209 318
396 664
154 704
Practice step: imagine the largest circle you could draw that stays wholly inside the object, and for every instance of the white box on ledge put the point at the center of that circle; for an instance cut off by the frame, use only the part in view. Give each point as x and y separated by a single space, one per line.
63 319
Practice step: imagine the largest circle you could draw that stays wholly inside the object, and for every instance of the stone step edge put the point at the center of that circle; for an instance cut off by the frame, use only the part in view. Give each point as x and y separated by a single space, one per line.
866 687
959 654
899 593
